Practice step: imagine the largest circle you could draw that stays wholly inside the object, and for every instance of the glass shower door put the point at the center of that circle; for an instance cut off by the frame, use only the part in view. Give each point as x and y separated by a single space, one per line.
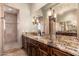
8 28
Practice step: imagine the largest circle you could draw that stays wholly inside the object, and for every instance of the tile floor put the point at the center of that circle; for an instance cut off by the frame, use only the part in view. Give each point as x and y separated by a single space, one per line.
15 52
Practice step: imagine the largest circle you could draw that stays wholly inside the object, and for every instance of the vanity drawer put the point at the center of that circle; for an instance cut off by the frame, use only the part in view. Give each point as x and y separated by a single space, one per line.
44 47
58 52
34 42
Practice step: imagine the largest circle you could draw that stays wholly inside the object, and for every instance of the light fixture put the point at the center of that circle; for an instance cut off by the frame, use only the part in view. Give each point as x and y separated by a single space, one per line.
35 20
51 14
54 14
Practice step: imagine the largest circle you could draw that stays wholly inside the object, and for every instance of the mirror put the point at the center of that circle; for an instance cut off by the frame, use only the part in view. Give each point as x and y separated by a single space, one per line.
66 23
66 20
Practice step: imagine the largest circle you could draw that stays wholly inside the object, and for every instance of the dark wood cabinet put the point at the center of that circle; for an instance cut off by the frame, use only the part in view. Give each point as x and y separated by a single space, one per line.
58 52
36 48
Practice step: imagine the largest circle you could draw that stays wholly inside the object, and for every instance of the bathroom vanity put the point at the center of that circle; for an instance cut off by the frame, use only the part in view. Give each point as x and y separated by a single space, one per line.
41 46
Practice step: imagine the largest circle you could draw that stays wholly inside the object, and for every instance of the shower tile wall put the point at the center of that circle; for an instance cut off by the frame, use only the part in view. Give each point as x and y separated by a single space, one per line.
10 28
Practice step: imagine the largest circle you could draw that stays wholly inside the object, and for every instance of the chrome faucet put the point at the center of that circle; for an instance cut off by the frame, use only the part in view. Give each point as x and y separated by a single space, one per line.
39 32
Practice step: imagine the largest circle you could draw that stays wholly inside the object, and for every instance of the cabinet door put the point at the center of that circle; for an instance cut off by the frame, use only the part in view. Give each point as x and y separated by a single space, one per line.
24 42
60 53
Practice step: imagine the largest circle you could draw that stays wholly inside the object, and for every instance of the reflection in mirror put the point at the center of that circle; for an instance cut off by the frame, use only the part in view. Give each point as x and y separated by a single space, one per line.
67 23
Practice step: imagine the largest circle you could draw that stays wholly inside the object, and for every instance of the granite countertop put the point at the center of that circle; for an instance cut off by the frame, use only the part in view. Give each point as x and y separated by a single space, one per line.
60 44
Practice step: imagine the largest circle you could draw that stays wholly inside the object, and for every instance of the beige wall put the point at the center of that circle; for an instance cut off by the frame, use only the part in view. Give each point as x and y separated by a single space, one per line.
37 6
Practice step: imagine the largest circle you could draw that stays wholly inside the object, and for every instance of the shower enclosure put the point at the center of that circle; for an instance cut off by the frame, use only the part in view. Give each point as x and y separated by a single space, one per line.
8 28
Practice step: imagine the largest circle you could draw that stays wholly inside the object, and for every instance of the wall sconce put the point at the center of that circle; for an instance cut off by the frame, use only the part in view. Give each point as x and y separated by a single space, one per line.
52 15
52 20
35 20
